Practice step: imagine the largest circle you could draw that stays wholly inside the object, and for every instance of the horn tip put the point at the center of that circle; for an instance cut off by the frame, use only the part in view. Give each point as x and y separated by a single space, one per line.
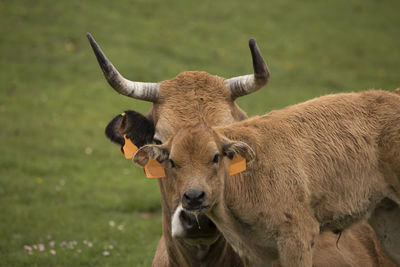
88 35
252 42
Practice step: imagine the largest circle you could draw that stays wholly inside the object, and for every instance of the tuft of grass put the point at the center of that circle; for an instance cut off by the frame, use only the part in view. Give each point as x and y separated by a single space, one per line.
62 181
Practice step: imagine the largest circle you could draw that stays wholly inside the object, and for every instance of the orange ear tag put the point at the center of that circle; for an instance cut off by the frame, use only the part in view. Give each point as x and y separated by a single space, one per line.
238 164
153 169
129 148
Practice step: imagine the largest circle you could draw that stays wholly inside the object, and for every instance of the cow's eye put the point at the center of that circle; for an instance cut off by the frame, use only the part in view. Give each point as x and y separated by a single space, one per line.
172 163
157 142
216 158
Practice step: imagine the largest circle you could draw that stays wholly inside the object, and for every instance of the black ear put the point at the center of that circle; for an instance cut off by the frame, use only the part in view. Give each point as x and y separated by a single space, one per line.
230 148
157 152
135 125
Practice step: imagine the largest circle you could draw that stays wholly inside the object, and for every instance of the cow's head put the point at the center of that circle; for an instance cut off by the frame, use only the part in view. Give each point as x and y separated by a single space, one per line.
197 161
189 97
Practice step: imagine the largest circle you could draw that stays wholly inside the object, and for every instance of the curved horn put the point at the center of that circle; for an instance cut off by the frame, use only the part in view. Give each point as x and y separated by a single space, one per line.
138 90
244 85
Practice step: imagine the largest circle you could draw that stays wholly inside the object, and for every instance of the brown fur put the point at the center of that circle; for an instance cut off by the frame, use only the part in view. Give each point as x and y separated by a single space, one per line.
356 247
193 96
325 163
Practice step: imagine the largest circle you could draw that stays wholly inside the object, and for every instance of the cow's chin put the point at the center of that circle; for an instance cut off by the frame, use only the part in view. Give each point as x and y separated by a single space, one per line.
194 227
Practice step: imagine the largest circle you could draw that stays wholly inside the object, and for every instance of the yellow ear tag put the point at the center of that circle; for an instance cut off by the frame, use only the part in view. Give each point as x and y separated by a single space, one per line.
237 165
153 169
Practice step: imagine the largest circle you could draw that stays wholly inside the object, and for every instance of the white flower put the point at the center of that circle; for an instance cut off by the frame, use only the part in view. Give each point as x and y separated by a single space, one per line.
88 150
41 247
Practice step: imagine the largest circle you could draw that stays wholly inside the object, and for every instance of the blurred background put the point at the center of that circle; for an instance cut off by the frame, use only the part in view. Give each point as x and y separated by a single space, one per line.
67 195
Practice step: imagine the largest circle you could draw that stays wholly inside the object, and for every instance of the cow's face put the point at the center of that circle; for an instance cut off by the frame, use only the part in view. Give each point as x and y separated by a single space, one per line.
196 161
183 187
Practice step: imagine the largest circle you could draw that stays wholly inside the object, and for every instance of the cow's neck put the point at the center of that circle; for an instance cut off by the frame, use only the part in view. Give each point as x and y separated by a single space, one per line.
237 220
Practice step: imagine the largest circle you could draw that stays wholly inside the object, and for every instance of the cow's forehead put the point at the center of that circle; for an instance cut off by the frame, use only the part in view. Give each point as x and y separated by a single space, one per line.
188 98
193 84
199 143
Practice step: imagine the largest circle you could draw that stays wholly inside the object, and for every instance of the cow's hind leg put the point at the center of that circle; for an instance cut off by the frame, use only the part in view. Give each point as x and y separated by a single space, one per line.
295 242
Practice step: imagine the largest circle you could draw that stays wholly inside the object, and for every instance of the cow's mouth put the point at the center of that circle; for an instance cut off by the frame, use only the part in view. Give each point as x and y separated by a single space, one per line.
194 227
196 220
196 210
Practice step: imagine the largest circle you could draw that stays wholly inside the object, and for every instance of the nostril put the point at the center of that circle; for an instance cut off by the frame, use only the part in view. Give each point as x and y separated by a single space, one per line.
201 195
186 197
194 197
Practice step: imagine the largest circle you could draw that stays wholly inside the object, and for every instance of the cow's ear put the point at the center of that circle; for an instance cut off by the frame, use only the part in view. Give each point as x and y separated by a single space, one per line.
136 126
115 128
230 148
157 152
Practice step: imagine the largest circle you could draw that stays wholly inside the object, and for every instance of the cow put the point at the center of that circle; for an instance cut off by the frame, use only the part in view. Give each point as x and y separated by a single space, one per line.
321 165
189 97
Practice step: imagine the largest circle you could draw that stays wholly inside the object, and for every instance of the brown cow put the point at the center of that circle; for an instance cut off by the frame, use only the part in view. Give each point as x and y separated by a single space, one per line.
189 97
321 165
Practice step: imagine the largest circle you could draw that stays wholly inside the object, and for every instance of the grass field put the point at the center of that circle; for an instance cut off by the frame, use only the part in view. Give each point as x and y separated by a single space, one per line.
66 192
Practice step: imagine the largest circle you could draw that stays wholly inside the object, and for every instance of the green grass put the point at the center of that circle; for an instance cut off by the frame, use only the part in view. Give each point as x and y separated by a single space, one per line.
54 102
